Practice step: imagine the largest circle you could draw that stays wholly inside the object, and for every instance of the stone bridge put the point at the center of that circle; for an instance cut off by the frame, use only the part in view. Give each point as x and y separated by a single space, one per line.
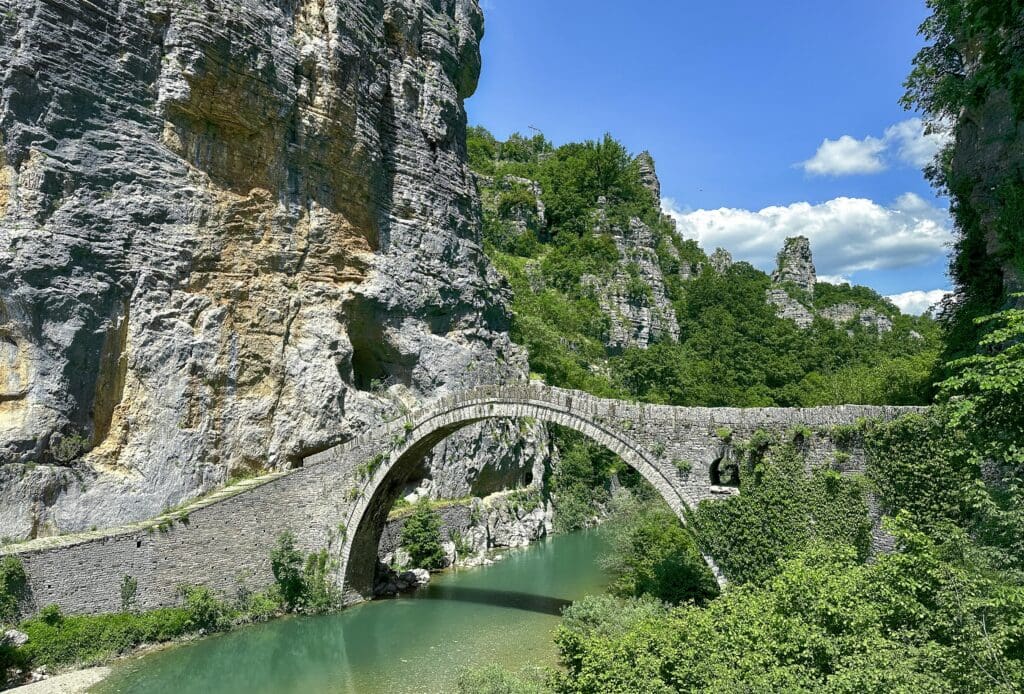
339 499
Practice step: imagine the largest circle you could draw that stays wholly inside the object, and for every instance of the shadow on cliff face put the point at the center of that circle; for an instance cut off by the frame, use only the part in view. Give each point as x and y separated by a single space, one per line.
510 599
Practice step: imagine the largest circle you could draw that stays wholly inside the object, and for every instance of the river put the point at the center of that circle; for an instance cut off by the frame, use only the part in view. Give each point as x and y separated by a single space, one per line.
501 614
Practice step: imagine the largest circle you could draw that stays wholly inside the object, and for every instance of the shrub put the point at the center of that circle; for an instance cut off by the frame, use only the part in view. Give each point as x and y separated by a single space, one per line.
652 554
286 565
129 590
462 546
494 680
13 583
421 536
780 510
204 610
90 639
319 594
51 615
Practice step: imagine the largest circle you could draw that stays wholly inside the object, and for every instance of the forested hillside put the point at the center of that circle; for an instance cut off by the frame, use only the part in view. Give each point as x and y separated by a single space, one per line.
608 298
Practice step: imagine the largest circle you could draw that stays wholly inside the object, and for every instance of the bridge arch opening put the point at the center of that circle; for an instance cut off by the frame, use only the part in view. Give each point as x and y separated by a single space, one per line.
725 472
367 520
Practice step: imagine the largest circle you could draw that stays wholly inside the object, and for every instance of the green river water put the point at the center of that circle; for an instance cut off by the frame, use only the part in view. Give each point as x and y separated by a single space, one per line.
501 614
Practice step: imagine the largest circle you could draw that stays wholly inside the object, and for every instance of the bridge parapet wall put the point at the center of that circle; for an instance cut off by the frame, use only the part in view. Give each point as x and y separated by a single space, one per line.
224 541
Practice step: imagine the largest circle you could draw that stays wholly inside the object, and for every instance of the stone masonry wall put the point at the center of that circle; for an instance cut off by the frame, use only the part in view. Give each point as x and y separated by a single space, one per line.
224 541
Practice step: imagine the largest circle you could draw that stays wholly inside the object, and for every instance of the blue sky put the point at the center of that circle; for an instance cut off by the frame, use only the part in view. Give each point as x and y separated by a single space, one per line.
765 119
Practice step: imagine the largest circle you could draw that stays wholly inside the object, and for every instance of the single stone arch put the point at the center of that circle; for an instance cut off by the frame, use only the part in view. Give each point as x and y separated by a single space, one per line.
422 432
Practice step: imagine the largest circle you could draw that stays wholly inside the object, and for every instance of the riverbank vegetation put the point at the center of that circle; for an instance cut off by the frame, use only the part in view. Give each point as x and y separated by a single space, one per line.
56 640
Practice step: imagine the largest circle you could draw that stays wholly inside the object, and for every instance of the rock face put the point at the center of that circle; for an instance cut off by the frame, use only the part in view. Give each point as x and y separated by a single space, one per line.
522 217
635 300
720 260
649 175
795 270
501 520
796 265
226 238
789 308
988 153
502 455
841 314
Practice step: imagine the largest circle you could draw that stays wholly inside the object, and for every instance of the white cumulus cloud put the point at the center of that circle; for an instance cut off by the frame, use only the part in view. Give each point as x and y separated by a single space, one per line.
847 156
918 301
847 234
913 145
906 141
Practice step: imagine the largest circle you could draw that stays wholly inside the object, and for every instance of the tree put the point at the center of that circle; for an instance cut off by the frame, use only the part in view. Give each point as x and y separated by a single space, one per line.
286 564
970 73
652 554
421 536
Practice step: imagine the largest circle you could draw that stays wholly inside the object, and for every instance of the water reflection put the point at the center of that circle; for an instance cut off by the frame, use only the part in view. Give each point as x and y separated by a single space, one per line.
511 599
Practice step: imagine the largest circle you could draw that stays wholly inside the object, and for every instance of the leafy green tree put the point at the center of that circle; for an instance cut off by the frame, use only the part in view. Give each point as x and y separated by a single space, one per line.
286 565
926 618
421 536
13 583
652 554
972 71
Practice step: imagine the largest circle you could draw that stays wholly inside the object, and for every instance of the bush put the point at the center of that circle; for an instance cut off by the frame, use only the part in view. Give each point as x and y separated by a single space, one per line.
13 583
652 554
421 536
91 639
286 565
205 610
319 594
780 510
925 619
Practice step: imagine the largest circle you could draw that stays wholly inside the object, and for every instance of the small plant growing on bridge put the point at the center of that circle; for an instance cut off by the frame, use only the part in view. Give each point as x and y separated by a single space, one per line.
302 583
761 439
367 469
318 595
353 493
843 435
658 449
421 536
684 466
408 426
724 433
129 591
800 433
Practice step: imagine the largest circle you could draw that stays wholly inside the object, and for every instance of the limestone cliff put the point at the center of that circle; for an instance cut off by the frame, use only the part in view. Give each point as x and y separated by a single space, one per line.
792 293
232 233
635 300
